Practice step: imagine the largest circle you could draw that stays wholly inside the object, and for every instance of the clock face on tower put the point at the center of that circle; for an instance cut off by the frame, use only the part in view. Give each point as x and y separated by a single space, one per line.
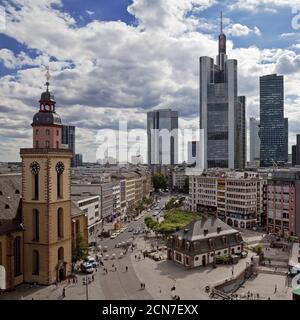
35 167
60 167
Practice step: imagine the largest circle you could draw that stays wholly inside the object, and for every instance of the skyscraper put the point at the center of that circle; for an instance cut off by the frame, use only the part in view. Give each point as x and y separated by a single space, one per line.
296 152
222 112
68 138
162 142
254 140
273 131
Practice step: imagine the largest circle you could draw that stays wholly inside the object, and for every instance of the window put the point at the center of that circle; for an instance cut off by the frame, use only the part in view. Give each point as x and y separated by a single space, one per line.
47 144
57 145
37 144
35 225
60 254
57 132
37 132
178 257
17 256
35 178
47 132
35 263
60 231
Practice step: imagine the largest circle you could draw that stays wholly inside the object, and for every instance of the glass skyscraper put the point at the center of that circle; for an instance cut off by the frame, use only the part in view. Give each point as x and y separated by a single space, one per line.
68 138
222 112
273 131
161 152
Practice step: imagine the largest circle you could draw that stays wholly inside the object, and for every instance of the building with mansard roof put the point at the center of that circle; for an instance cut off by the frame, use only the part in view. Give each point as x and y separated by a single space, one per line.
199 243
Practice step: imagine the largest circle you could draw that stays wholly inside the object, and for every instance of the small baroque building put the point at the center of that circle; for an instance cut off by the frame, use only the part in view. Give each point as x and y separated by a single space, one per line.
199 243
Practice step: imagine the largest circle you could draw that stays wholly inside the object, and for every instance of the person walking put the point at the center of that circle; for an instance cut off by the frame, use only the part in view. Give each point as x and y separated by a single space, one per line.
93 278
64 292
275 291
126 268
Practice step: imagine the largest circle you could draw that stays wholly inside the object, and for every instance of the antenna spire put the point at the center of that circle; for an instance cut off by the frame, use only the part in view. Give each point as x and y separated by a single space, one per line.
221 27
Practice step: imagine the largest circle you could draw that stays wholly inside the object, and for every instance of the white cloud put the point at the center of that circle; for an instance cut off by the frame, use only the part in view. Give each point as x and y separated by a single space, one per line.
266 5
106 71
239 30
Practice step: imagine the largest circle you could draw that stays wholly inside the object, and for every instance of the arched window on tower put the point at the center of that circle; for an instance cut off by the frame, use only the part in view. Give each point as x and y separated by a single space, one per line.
35 263
59 172
17 256
60 223
35 225
60 254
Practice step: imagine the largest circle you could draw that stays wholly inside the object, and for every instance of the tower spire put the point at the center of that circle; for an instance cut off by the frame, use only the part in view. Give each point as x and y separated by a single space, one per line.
48 76
221 22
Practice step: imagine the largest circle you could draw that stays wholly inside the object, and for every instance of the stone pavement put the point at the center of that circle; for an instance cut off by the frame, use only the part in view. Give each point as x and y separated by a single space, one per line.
264 284
190 284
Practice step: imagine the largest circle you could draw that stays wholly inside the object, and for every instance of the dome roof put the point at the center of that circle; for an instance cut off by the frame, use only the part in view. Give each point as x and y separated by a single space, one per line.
46 118
47 96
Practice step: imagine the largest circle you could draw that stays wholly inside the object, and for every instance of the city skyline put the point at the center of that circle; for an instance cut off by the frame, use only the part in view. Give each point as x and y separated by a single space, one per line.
91 76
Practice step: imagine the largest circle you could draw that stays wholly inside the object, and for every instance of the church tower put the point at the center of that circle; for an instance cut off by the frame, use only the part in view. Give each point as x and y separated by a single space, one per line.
46 198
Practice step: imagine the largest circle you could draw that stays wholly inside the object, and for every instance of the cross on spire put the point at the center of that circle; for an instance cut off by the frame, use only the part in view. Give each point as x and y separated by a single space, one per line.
48 76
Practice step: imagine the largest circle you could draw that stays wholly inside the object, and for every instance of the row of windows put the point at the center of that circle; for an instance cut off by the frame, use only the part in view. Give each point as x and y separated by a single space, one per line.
37 131
35 187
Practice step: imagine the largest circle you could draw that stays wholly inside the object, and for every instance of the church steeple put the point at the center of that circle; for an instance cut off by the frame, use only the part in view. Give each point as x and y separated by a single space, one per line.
46 122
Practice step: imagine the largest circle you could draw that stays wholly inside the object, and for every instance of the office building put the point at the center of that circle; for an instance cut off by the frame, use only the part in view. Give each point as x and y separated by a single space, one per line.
68 138
162 137
254 141
296 152
222 112
283 206
78 160
235 197
273 131
193 147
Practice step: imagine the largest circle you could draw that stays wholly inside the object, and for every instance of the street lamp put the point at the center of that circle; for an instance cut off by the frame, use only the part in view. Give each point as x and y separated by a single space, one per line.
86 283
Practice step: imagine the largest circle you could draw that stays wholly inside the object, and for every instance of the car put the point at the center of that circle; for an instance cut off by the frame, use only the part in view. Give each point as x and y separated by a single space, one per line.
123 229
136 218
113 236
92 261
149 210
130 230
87 267
105 248
136 232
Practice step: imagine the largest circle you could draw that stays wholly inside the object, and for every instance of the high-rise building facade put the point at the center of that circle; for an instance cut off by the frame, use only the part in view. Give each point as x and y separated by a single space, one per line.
162 137
254 140
68 138
273 131
222 112
193 147
296 152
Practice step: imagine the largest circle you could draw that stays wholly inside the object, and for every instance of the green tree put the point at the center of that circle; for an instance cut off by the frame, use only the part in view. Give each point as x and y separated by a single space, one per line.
159 181
80 251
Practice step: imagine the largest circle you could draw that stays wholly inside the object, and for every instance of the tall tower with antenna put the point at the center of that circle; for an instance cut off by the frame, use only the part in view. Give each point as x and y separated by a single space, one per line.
222 112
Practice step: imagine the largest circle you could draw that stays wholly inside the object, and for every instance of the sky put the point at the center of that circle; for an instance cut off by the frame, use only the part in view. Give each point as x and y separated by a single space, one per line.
114 60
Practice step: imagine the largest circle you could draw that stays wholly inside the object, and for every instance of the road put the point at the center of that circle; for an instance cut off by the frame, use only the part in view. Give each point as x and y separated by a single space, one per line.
126 235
